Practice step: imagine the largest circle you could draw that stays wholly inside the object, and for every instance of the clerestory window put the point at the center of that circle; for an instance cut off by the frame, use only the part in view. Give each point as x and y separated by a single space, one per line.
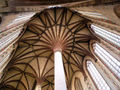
108 59
113 38
96 76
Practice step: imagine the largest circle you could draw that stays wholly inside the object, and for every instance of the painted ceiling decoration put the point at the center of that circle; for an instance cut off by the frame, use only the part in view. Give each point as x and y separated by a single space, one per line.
33 59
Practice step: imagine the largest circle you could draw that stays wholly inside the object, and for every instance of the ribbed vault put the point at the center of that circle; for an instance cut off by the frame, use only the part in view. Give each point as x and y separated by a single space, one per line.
33 60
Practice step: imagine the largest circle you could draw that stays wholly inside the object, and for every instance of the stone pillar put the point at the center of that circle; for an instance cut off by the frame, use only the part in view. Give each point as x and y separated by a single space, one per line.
60 83
38 86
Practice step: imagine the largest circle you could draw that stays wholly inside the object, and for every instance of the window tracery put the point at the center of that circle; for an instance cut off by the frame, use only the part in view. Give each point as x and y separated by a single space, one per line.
96 76
108 59
21 18
9 38
113 38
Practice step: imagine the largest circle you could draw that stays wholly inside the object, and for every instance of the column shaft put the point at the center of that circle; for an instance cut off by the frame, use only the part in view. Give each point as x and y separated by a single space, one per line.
60 83
38 87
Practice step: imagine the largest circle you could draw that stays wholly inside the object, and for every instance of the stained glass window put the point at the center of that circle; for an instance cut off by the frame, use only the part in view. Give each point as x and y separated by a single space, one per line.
8 38
108 59
113 38
96 76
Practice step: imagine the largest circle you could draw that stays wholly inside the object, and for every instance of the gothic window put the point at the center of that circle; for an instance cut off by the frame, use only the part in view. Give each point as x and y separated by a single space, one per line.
4 56
113 38
108 59
96 76
5 40
6 45
77 84
21 18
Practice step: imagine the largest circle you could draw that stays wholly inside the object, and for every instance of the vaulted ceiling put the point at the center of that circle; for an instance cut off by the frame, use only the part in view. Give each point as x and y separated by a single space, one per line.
33 59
